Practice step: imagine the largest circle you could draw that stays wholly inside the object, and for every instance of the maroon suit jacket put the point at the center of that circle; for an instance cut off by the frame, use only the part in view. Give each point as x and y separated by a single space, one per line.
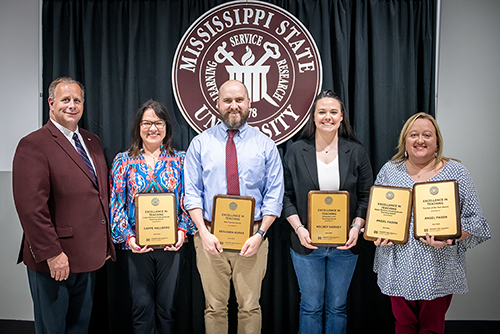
60 207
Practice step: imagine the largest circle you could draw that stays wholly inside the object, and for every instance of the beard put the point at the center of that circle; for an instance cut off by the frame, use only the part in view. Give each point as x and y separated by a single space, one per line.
232 122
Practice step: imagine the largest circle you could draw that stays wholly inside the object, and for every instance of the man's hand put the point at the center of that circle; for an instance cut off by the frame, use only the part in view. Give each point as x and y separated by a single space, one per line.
59 267
210 243
251 246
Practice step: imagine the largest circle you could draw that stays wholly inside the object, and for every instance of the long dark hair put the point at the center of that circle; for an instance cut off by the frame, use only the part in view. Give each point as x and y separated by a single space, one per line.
345 129
162 113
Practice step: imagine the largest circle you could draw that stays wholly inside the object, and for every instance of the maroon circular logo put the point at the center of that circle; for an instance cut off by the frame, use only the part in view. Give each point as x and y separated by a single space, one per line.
259 44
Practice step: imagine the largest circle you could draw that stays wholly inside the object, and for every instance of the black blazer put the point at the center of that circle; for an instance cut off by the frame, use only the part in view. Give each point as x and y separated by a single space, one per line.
301 176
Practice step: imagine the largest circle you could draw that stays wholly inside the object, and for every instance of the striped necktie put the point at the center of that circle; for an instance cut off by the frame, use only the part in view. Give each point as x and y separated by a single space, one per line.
84 156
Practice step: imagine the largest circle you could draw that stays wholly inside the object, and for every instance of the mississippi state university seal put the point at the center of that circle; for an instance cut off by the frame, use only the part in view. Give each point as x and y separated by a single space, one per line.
259 44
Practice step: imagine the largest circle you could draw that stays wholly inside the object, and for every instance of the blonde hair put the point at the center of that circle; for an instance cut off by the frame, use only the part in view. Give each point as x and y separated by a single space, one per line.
402 156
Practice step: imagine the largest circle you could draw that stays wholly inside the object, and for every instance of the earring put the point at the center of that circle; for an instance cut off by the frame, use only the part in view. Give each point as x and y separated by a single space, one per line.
406 154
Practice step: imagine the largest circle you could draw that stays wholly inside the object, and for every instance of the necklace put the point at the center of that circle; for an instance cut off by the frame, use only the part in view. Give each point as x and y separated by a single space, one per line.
329 143
425 172
153 156
328 149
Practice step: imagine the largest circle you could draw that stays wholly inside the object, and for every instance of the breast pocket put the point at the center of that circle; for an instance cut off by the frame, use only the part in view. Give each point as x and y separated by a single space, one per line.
254 171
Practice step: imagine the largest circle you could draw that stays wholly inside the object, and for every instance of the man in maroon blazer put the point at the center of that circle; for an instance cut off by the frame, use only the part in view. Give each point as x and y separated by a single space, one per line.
60 182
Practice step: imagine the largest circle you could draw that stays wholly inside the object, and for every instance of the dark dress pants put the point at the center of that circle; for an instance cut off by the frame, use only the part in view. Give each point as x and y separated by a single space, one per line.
62 307
153 278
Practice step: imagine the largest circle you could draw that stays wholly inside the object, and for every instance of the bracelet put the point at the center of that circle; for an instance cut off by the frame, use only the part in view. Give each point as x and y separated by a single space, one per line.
298 227
356 225
183 231
128 239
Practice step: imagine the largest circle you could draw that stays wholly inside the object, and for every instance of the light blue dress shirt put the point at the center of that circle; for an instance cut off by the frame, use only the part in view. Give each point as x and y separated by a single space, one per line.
259 168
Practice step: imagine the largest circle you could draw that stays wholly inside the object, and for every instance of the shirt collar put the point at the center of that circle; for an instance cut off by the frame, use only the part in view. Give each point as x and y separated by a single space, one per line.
162 151
241 133
65 131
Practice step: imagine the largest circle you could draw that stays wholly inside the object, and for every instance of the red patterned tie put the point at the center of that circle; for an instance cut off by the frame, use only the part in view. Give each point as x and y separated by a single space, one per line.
233 183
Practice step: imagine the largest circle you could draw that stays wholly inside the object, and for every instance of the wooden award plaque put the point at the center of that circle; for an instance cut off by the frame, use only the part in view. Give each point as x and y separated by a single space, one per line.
328 217
389 214
232 220
436 210
156 219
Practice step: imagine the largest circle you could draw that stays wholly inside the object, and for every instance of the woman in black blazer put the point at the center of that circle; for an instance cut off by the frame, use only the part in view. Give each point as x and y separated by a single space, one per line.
327 157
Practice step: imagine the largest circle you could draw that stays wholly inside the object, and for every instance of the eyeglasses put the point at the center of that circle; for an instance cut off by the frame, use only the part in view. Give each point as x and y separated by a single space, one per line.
148 124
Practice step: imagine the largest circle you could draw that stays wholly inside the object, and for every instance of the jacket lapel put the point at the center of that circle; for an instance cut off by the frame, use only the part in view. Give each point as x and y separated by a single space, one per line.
344 153
70 150
309 158
92 147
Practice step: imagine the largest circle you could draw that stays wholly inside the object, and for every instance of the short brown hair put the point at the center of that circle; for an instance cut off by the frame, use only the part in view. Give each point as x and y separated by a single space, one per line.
68 80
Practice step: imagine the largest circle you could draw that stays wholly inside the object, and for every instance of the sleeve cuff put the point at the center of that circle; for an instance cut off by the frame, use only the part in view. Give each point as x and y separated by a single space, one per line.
128 239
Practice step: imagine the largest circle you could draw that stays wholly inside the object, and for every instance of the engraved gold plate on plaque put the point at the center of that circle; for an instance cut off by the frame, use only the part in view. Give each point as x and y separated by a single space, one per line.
156 219
436 210
232 220
389 214
328 217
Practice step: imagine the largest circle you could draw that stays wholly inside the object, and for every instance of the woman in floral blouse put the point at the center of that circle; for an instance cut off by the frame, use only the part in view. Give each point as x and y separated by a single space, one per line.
151 165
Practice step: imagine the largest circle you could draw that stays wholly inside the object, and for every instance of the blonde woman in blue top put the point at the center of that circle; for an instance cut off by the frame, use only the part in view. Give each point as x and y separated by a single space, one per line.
421 276
150 165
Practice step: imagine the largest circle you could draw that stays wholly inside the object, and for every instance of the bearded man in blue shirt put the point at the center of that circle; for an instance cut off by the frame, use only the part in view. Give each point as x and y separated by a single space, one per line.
259 175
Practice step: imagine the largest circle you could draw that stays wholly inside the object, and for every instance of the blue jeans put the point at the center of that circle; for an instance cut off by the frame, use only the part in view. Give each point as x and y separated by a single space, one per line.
324 277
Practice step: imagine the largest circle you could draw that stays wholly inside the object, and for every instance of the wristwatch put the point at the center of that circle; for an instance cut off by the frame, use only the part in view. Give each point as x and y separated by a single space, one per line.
262 234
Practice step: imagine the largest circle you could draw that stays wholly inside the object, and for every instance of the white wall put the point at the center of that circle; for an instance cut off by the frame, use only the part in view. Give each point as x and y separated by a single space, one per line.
19 95
469 116
468 113
19 81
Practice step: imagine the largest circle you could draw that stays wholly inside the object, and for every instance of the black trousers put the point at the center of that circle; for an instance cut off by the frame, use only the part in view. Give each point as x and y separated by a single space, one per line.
153 279
62 307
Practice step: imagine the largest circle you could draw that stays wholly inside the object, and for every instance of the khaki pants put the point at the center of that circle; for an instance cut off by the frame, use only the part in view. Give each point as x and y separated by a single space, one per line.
216 272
